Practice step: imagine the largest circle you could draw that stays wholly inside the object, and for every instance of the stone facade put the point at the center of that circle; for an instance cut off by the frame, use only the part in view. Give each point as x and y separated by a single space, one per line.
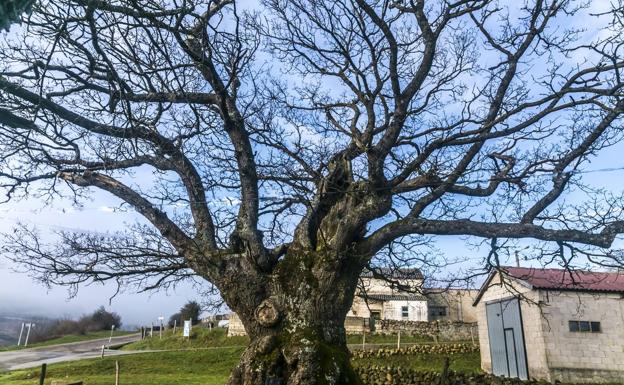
554 353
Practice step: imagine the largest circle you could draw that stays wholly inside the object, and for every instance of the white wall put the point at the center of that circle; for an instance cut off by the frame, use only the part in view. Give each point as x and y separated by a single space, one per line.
417 310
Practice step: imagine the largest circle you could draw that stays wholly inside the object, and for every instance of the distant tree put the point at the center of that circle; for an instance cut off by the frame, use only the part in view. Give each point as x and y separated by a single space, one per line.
190 311
277 148
100 319
175 319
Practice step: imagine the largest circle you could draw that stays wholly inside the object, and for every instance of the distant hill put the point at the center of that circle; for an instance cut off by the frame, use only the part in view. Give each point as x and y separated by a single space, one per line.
10 325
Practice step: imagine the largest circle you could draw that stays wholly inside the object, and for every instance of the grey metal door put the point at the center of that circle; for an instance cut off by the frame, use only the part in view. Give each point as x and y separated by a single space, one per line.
507 349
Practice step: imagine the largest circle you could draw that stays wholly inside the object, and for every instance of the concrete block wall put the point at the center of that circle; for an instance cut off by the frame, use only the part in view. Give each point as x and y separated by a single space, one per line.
592 357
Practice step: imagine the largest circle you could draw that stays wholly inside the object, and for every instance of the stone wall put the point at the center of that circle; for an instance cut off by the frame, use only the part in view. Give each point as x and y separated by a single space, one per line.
441 330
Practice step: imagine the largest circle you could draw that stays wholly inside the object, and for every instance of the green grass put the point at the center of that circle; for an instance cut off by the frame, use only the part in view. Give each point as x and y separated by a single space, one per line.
464 362
205 367
69 338
200 338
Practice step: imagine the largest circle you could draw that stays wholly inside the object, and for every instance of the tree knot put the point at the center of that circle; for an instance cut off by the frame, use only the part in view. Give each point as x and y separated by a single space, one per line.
266 313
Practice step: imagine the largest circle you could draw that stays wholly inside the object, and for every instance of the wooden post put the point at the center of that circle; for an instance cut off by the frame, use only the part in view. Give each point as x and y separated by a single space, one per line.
399 340
42 375
472 334
116 372
175 324
103 347
363 340
444 378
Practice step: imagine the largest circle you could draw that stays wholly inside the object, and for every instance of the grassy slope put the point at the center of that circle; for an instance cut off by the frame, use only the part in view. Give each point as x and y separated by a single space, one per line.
69 338
200 338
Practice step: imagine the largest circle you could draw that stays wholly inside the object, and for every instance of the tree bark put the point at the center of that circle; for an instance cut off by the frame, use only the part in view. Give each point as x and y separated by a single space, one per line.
295 322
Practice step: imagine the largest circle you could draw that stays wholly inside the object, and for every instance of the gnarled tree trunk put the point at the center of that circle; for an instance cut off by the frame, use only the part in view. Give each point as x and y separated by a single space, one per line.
295 322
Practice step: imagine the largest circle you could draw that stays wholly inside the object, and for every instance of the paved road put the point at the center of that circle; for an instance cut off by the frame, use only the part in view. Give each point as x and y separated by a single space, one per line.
28 358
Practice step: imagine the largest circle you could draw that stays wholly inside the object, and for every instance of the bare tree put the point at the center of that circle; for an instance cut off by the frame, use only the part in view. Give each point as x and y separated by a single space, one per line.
274 151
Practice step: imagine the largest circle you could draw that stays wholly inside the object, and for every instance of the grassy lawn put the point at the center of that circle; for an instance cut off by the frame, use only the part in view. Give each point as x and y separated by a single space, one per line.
205 367
200 338
69 338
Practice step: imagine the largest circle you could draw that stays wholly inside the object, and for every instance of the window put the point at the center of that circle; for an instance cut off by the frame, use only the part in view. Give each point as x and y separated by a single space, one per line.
376 315
584 326
437 311
405 311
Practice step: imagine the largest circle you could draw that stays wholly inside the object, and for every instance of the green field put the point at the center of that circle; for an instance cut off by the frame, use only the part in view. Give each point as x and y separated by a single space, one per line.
208 359
69 338
204 366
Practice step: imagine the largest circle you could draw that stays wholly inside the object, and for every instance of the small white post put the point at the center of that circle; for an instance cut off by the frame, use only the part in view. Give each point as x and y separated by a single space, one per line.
30 325
160 320
103 347
399 340
111 336
19 341
363 339
152 330
175 324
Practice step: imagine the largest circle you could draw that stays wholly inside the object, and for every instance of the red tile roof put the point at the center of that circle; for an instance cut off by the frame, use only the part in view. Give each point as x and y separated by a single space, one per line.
560 279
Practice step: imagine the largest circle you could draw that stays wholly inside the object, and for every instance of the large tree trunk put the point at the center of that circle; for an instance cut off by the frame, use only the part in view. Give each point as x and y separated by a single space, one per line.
295 320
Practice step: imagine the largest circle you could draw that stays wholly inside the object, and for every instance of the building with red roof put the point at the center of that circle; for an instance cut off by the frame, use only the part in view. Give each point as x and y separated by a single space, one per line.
552 324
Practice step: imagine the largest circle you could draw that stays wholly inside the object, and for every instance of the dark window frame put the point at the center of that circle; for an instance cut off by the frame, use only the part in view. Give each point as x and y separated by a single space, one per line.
437 311
405 311
575 326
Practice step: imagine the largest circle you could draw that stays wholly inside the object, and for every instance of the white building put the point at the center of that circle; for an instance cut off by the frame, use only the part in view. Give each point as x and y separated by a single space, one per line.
396 300
552 324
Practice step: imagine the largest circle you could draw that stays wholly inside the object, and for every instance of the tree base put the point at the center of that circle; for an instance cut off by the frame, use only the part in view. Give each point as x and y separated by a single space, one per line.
272 360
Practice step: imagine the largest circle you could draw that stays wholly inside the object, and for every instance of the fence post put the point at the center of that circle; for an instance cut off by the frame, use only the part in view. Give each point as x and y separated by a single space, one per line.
116 372
399 340
363 340
42 375
103 347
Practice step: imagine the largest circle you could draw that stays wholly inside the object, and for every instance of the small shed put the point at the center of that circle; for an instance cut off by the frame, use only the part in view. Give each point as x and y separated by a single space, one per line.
552 324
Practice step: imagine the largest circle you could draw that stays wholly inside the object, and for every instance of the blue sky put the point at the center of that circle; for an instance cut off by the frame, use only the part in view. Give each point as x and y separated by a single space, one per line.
18 292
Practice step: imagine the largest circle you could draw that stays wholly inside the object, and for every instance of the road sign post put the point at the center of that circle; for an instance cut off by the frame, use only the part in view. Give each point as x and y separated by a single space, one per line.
30 326
19 340
160 320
